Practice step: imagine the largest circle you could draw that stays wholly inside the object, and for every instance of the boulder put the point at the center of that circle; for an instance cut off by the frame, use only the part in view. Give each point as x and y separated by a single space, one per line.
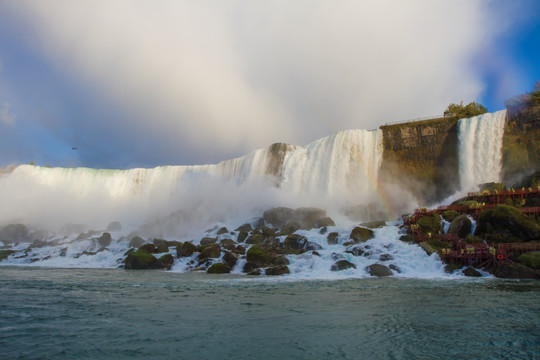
374 224
14 233
219 268
386 257
355 250
310 218
114 226
165 262
472 272
245 228
227 242
210 251
342 265
290 227
461 226
104 240
394 268
161 245
260 255
136 242
255 239
242 236
325 221
149 248
222 230
280 260
278 217
278 270
140 260
360 234
378 270
230 259
332 238
187 249
207 241
295 243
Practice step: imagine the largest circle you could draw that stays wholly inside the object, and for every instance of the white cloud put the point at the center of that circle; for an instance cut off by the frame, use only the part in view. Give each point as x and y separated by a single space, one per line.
6 115
222 75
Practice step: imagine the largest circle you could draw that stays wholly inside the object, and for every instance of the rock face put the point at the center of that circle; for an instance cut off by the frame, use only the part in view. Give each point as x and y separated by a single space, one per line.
461 226
378 270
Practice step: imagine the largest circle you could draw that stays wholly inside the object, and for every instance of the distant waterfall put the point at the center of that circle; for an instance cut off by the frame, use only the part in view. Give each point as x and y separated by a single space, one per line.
480 149
334 168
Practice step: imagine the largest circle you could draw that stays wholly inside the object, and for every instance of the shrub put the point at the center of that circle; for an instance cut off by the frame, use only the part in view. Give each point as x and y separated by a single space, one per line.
460 111
530 259
430 224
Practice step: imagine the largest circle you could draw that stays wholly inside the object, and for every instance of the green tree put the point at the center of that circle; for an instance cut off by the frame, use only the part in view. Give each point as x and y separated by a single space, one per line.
459 111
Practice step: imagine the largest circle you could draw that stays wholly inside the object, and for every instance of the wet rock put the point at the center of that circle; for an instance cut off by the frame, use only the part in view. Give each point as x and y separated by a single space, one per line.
165 262
325 222
219 268
149 248
240 250
222 230
114 226
394 268
161 245
360 234
260 255
278 217
461 226
472 272
509 270
378 270
278 270
136 242
245 228
105 239
342 265
14 233
255 239
230 259
242 236
374 224
332 238
187 249
290 227
295 243
254 272
140 260
280 260
355 250
315 253
323 230
386 257
207 241
250 267
210 251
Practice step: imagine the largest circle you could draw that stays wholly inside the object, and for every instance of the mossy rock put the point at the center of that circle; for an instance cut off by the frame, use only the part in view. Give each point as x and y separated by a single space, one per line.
504 223
255 239
471 272
361 234
245 228
460 226
187 249
278 270
530 259
430 224
297 244
449 215
408 238
219 268
140 260
222 230
5 253
208 241
290 227
165 262
149 248
280 260
230 259
242 236
260 255
210 251
374 224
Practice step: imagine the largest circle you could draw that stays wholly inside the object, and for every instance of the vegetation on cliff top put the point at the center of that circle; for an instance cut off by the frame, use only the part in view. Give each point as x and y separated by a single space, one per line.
459 111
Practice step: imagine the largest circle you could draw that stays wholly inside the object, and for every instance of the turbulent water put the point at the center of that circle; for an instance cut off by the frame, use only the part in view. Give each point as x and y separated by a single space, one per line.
118 314
480 143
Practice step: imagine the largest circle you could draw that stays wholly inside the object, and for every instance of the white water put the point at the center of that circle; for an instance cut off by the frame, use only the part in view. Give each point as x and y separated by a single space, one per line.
480 149
330 173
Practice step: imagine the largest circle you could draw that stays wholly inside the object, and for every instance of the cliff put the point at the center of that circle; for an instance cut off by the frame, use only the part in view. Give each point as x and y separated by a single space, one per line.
422 156
521 142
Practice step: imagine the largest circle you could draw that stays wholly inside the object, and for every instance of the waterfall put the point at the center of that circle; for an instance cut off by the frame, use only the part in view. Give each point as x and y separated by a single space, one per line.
480 149
334 168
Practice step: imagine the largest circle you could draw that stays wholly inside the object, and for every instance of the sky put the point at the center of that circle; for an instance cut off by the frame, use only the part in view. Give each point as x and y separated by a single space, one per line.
134 83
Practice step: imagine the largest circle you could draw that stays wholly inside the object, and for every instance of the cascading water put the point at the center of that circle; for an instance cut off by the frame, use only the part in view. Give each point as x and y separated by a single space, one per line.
480 149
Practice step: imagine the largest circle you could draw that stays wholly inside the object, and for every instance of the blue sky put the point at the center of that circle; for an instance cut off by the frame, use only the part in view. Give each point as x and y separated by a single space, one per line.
143 84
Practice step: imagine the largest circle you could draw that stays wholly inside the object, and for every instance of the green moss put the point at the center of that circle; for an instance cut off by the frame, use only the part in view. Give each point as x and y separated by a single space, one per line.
140 259
430 224
530 259
437 244
219 268
449 215
506 223
472 239
258 255
5 253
